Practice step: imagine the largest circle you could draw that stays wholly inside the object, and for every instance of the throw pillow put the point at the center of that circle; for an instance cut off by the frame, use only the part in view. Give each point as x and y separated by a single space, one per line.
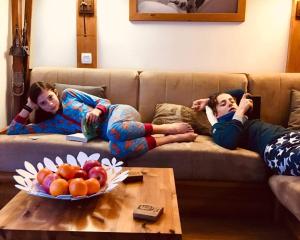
97 91
171 113
294 118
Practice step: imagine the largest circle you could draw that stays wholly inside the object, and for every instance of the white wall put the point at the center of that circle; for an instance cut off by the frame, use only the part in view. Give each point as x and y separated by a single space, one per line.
4 45
257 45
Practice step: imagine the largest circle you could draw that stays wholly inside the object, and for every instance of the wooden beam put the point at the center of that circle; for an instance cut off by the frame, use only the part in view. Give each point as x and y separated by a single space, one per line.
16 6
293 59
27 18
87 40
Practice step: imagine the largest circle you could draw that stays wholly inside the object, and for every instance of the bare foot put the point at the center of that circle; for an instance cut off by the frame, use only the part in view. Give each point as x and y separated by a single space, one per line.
185 137
181 137
173 128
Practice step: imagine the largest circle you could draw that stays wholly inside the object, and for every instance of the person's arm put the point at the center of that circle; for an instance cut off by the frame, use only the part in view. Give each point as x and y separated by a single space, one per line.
19 126
200 104
228 134
99 105
92 101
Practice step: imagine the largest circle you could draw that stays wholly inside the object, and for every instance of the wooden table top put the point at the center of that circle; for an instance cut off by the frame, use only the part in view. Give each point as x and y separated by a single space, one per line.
30 217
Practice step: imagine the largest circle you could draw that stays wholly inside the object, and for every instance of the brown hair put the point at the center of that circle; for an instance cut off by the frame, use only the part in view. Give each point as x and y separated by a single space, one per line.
34 92
36 89
213 102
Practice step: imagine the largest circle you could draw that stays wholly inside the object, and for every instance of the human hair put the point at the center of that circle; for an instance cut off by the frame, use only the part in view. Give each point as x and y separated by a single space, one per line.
213 102
34 92
37 88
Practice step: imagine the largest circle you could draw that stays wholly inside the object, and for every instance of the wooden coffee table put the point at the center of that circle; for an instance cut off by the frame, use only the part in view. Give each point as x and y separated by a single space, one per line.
30 217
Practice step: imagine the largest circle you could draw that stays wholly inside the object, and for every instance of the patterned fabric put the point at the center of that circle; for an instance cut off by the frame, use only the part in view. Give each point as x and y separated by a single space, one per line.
75 105
127 135
119 124
283 154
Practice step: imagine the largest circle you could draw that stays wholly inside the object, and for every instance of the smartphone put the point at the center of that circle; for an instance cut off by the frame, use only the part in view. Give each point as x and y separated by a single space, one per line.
254 113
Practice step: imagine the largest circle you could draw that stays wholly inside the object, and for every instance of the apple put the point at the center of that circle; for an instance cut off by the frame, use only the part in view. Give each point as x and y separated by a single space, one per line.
48 180
90 164
80 173
99 173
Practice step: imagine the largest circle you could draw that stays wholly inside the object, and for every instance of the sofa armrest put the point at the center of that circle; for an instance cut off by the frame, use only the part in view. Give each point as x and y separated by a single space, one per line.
4 130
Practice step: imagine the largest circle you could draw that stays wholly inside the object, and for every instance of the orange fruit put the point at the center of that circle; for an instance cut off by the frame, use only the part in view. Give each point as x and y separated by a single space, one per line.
59 187
93 186
42 174
67 171
76 167
78 187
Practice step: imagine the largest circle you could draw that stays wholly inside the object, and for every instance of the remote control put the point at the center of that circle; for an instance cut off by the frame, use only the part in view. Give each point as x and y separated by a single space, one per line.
134 176
147 212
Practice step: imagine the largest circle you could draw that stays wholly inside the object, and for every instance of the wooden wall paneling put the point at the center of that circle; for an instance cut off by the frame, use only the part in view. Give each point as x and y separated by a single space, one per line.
87 43
293 59
16 6
27 19
16 18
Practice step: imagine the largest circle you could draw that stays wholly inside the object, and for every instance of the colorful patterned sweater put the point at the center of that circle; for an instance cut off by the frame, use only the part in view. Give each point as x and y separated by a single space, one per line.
75 105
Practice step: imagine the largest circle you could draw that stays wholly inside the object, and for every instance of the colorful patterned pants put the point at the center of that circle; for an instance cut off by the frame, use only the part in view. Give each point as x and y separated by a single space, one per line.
283 154
127 136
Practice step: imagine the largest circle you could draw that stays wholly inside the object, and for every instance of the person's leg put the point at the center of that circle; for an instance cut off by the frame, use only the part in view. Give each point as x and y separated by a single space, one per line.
283 155
172 128
124 124
139 146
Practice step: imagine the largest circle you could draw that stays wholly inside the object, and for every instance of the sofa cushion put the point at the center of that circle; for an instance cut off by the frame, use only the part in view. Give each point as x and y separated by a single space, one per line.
294 117
15 149
205 160
171 113
182 88
121 85
199 160
287 191
98 91
275 90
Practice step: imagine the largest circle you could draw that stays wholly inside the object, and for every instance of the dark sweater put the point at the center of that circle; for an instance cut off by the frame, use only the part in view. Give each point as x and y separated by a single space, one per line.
253 135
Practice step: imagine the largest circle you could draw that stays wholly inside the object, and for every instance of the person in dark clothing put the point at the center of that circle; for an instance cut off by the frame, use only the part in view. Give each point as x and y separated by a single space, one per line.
278 146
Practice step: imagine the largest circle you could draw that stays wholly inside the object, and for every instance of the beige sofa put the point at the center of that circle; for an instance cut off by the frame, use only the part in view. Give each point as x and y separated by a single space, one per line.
228 178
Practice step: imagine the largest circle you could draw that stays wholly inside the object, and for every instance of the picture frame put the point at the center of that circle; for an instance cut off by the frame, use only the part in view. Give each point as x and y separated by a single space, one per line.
236 16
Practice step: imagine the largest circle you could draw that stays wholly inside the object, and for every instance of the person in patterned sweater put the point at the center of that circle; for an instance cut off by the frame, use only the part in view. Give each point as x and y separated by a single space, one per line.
119 124
278 146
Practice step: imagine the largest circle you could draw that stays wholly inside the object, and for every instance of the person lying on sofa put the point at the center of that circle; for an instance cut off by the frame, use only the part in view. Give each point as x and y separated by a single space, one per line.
278 146
118 124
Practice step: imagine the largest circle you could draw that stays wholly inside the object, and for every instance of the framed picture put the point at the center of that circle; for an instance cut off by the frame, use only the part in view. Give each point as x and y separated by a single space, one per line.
187 10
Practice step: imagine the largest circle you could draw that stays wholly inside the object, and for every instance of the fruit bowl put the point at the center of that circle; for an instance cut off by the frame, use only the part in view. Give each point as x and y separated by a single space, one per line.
26 180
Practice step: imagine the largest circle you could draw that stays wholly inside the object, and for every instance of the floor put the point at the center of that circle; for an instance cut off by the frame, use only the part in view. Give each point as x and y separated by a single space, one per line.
213 228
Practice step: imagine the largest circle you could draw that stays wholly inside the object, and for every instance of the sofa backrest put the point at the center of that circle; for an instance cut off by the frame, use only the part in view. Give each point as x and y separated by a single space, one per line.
121 86
275 90
182 88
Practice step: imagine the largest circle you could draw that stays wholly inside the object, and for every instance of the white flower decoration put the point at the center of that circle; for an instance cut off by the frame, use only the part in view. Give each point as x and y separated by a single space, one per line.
26 180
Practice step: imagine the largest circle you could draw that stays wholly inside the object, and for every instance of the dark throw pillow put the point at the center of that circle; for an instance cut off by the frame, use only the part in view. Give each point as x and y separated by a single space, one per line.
97 91
294 118
171 113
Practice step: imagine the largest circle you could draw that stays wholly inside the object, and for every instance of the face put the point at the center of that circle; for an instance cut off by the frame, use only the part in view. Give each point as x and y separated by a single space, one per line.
225 104
48 101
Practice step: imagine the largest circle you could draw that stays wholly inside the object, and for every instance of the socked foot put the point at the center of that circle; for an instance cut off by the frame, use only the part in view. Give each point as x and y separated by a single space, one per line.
173 128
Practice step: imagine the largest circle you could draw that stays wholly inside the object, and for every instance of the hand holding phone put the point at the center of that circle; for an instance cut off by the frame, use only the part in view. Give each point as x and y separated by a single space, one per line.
254 113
